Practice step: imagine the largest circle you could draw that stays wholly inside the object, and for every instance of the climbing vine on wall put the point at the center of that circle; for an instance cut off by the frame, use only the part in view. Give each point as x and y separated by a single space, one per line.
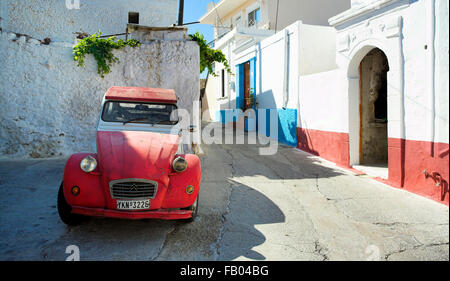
101 49
209 56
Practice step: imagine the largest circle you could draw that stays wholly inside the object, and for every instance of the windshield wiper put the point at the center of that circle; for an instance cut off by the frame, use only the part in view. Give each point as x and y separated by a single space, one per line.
135 119
160 121
157 122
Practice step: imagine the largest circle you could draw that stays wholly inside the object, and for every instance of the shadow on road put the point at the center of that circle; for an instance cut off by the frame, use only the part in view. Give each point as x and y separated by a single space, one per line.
249 208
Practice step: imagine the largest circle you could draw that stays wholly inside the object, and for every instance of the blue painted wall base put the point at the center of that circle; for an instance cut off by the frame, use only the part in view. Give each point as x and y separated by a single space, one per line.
284 118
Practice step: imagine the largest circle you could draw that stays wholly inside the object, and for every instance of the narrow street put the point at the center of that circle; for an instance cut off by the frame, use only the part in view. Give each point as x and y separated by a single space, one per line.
289 206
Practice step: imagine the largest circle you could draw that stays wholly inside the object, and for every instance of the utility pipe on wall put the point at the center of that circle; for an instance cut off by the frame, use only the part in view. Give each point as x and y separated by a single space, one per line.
401 81
431 30
286 69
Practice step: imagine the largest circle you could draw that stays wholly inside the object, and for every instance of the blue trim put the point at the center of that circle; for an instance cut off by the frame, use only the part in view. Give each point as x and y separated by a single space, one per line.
239 86
246 125
258 15
253 76
287 126
240 82
267 122
286 120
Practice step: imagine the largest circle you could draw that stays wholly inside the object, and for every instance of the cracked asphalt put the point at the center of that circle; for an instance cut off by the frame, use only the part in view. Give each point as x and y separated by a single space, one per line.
287 206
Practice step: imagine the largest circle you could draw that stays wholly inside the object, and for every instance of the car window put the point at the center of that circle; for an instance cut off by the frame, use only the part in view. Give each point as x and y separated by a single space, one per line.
146 113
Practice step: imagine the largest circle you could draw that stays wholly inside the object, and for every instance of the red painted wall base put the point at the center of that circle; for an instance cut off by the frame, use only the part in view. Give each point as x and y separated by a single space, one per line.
329 145
417 166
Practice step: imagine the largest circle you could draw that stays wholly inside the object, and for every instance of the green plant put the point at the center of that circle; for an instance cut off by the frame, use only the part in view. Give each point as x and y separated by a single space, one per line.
101 49
253 101
209 56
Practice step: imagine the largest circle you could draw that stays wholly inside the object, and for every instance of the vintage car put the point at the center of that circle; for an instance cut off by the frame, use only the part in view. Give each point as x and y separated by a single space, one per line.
140 170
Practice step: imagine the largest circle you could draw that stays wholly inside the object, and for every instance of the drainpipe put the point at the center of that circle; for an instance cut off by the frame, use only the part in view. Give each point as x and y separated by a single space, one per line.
228 76
402 104
286 69
430 71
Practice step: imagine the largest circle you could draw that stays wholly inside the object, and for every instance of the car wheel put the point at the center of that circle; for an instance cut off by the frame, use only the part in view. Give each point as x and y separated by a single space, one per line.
65 210
194 209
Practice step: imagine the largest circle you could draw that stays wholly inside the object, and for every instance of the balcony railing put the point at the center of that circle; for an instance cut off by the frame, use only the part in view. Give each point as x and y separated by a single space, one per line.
250 25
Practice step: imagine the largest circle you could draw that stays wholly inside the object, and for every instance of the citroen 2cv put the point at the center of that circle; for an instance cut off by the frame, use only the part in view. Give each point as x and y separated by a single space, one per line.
140 170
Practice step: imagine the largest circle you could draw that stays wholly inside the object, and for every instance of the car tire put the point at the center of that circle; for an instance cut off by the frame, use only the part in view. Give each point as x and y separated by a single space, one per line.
194 209
65 210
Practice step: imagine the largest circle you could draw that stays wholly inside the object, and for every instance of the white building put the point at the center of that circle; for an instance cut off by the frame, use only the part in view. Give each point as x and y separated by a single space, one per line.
268 44
386 103
370 91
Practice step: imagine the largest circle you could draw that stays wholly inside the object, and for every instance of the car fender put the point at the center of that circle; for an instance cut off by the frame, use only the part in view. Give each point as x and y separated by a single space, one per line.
176 196
91 192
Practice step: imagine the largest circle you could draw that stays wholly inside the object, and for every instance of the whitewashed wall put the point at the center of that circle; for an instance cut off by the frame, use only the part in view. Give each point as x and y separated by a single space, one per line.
324 97
270 68
210 100
307 43
50 107
317 42
323 101
269 55
356 3
228 101
52 18
314 12
442 71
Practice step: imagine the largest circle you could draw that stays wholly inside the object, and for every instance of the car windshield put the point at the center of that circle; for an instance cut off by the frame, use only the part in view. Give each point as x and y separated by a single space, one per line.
146 113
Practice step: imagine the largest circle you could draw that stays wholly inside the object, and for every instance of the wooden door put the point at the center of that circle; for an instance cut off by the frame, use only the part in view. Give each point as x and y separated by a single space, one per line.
247 87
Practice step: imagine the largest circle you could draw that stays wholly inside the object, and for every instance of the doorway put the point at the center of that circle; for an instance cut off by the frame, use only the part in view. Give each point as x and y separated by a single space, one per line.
373 127
245 93
247 87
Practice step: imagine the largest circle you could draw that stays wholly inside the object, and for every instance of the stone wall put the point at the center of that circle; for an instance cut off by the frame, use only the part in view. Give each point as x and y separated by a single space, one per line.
50 107
53 19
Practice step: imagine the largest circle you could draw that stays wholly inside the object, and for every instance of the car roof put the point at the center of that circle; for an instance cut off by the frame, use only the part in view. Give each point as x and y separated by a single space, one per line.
141 94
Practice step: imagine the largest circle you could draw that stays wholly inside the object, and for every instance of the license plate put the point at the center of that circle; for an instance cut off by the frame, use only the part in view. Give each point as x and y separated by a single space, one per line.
133 204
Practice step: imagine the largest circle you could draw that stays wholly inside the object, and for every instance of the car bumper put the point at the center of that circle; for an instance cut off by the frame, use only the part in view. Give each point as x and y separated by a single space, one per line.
164 214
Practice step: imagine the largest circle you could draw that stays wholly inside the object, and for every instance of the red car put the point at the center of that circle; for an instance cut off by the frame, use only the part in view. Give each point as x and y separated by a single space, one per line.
140 170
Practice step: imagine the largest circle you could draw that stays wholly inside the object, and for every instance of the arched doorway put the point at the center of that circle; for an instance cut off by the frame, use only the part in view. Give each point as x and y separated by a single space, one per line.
373 109
371 123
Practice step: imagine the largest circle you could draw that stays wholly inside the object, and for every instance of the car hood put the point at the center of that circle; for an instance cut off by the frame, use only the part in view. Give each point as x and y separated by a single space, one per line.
136 154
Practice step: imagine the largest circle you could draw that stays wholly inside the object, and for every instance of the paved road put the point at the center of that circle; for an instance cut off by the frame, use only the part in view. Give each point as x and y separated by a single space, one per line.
289 206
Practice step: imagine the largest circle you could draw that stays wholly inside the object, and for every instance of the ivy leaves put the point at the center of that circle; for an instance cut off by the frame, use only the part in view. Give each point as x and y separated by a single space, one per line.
209 56
101 49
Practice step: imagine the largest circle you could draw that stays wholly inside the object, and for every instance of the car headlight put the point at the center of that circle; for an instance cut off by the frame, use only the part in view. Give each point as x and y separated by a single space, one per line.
88 164
179 164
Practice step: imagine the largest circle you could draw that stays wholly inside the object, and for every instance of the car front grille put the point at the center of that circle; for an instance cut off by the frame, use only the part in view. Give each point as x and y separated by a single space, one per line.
133 189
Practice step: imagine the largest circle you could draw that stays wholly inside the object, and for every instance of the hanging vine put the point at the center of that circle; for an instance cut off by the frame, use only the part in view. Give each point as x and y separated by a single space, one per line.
101 49
209 56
